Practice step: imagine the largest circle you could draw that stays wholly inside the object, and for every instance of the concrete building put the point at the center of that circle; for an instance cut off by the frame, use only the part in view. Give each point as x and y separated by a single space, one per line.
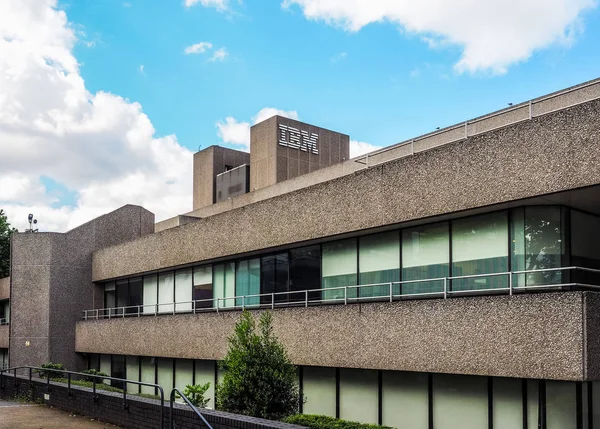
447 281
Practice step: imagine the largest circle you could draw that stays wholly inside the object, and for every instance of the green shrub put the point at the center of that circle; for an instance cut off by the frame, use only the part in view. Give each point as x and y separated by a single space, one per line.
260 379
51 374
94 374
195 393
314 421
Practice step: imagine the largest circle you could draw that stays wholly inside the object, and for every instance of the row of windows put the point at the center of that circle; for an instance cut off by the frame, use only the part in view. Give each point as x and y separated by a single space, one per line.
405 400
526 238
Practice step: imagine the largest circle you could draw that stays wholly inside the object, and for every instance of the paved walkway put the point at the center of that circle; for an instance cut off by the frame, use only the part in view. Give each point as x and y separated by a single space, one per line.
15 415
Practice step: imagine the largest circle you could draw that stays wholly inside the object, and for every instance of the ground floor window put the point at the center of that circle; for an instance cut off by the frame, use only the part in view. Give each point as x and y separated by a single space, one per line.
404 400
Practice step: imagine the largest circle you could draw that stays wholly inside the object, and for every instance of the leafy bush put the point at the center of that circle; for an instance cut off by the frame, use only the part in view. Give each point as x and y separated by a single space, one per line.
195 393
260 379
314 421
51 374
94 374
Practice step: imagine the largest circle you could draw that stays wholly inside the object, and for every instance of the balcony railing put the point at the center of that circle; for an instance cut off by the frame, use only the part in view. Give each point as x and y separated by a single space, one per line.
510 282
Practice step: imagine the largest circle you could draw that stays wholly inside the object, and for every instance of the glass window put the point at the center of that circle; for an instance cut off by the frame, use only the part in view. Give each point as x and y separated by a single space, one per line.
405 400
105 366
203 287
247 281
165 292
136 291
359 401
122 289
133 373
165 374
305 272
480 246
150 294
183 290
507 403
184 374
537 243
379 263
595 404
274 277
118 370
561 405
585 236
205 373
339 268
224 284
460 401
149 374
110 297
318 386
533 395
425 255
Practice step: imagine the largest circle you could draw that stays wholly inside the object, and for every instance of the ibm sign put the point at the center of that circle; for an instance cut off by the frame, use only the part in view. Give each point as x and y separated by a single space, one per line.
298 139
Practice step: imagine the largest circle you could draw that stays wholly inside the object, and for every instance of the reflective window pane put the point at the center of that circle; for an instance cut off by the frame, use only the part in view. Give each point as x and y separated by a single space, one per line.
339 268
274 277
166 283
480 246
150 294
183 290
247 281
379 263
136 291
224 284
425 255
305 272
203 286
460 401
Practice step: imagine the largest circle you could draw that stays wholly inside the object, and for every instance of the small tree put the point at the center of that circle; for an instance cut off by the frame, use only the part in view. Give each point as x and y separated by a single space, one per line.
195 393
5 232
260 379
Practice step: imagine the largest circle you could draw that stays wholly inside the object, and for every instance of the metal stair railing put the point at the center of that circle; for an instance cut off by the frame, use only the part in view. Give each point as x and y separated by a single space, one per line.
192 406
51 372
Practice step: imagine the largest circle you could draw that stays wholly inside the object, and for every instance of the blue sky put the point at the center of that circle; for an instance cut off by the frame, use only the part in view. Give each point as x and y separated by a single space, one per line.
380 84
102 103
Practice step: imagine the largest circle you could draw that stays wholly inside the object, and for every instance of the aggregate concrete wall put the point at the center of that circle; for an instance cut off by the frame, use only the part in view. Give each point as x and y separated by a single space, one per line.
52 284
4 336
141 413
551 153
5 288
530 336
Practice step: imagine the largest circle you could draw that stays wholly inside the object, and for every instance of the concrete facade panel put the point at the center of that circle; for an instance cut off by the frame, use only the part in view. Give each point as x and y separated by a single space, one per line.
5 288
4 335
552 153
592 335
488 123
530 336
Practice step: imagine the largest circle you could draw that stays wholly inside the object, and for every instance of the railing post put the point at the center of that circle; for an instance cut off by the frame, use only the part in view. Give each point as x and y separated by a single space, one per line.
48 388
412 147
15 378
306 298
123 311
193 306
272 301
69 384
243 302
530 110
391 293
218 304
85 315
445 287
125 406
345 295
155 309
94 396
97 314
30 382
139 310
510 283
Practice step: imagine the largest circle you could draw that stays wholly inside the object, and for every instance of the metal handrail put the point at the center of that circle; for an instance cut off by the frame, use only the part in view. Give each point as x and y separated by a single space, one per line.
530 103
254 300
192 406
95 397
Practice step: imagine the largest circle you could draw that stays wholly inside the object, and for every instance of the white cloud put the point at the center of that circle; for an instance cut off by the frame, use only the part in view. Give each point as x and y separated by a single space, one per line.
141 69
198 48
219 55
360 148
236 133
493 34
100 146
220 5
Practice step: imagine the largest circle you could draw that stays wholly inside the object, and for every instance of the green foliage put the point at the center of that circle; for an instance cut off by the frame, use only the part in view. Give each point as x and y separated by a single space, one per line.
5 232
51 374
314 421
94 374
260 379
195 393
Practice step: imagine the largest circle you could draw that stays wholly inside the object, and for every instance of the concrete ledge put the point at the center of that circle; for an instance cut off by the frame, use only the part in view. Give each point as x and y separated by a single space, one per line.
526 336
